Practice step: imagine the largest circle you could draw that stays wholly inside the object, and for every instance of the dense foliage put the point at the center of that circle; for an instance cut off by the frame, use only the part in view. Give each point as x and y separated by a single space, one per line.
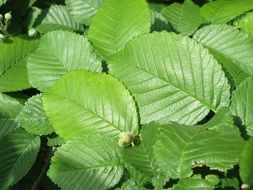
126 94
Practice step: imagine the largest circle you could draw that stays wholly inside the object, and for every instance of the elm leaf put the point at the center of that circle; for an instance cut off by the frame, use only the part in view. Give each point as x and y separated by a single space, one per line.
90 162
242 104
84 103
185 18
116 23
172 78
56 57
231 47
13 59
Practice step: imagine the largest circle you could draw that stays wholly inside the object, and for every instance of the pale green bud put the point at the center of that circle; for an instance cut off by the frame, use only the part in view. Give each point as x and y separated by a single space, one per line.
32 32
2 37
7 16
125 139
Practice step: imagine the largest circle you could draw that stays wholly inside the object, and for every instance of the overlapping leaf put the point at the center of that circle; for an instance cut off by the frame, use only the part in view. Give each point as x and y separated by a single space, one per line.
246 165
171 77
13 59
185 18
232 48
142 157
55 18
180 148
195 183
59 53
116 23
246 24
84 102
222 11
130 185
18 152
158 23
242 104
9 109
33 118
90 162
83 11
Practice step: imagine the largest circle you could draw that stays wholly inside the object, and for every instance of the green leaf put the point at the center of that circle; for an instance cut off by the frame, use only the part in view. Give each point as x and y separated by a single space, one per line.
230 183
2 2
9 109
142 157
232 48
116 23
56 18
93 102
171 77
56 57
56 141
242 104
158 23
246 164
18 152
90 162
185 18
83 11
180 148
13 59
130 185
194 184
222 11
33 118
137 175
246 24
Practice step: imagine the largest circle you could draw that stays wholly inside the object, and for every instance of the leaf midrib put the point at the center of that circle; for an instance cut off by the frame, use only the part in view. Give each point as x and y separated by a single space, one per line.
177 87
89 110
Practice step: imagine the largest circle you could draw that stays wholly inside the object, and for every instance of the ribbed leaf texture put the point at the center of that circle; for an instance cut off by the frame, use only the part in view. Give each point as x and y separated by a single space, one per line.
222 11
137 175
18 152
116 23
195 183
230 183
9 109
246 24
246 165
142 157
56 18
180 147
242 104
56 57
171 77
185 18
84 102
13 59
33 118
83 11
56 141
232 48
89 163
158 22
130 185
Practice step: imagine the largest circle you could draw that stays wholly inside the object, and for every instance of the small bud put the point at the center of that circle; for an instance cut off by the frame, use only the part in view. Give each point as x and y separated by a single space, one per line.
125 139
2 37
7 16
245 186
32 32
